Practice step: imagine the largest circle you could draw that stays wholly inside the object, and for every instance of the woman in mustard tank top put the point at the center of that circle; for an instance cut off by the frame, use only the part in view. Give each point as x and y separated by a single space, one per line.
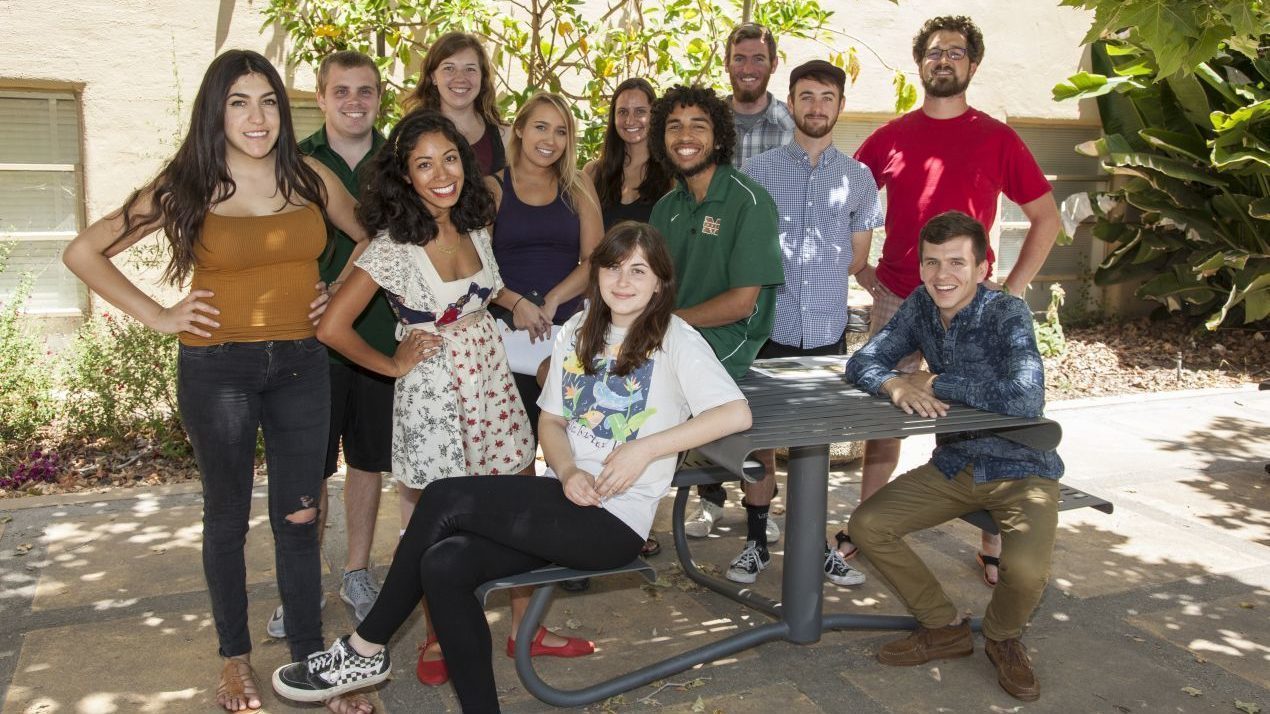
243 213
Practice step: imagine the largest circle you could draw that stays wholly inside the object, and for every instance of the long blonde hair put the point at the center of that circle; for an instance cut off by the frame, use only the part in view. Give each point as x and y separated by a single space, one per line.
571 180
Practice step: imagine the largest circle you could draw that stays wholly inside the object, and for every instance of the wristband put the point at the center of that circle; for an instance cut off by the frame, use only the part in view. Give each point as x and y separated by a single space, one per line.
522 297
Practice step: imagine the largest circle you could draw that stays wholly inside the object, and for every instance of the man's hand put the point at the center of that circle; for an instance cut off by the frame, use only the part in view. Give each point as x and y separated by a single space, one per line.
622 468
579 487
914 394
867 278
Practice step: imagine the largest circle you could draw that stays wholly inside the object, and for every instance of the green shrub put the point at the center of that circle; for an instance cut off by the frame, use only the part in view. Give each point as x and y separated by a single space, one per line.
1049 332
121 381
26 399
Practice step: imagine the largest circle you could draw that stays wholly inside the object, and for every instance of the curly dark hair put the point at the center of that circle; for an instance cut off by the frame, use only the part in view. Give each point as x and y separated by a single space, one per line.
388 202
695 96
951 23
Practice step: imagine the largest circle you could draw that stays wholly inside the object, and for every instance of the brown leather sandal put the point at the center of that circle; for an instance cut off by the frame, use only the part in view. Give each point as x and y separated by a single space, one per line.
238 686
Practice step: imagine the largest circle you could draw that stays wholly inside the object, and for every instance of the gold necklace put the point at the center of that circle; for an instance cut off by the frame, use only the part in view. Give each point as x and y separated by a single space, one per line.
446 251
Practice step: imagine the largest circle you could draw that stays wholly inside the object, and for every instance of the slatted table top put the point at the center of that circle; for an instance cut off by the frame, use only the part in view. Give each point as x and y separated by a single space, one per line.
820 408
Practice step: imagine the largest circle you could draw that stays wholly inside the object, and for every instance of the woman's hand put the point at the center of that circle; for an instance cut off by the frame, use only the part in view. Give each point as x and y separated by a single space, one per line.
579 487
187 315
549 307
318 306
528 316
623 467
415 348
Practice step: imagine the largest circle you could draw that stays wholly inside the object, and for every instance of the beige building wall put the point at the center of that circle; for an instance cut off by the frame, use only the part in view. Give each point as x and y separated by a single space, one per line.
136 66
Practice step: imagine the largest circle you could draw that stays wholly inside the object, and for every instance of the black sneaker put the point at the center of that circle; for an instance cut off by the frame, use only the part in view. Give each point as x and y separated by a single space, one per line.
746 567
331 673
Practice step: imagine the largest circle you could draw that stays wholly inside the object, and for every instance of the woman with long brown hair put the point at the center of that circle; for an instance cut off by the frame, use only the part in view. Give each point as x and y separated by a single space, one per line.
244 214
456 79
625 376
626 181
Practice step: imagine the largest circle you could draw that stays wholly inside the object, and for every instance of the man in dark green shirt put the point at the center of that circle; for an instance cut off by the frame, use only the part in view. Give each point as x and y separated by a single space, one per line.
721 228
348 89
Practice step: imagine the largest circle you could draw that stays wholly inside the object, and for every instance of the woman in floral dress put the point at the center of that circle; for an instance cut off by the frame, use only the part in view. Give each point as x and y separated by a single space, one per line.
456 410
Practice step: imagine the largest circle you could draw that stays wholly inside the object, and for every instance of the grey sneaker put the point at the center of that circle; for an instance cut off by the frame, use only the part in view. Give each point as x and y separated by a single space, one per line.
837 571
276 628
331 673
773 531
359 590
748 564
701 526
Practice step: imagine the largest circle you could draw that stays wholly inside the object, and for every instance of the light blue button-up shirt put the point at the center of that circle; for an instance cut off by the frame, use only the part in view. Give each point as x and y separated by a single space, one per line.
819 208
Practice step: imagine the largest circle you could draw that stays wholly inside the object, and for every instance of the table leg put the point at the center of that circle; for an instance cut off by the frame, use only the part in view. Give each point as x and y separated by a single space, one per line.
802 595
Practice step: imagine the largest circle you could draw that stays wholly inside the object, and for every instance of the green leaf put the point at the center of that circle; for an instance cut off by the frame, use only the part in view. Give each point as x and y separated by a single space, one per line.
1176 168
1190 94
1183 145
1084 85
1260 208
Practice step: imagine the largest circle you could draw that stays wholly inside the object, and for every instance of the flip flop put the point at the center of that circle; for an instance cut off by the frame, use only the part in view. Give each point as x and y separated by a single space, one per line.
985 561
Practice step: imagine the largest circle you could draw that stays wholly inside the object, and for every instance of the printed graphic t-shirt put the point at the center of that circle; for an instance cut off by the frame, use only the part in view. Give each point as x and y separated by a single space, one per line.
604 410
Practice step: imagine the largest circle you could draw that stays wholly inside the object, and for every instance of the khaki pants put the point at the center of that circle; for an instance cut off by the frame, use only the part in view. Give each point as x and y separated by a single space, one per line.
1025 510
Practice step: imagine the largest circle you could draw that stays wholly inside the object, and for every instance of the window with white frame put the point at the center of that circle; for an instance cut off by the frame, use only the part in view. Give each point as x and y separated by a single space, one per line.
41 198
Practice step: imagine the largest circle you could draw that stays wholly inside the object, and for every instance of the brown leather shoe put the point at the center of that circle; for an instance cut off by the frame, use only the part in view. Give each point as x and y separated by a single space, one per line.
924 645
1014 669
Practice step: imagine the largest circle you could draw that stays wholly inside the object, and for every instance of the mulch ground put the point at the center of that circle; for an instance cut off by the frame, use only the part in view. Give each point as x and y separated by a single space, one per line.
1100 360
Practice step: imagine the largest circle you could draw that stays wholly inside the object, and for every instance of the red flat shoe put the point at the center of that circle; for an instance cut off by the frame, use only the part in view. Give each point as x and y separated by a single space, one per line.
431 672
573 647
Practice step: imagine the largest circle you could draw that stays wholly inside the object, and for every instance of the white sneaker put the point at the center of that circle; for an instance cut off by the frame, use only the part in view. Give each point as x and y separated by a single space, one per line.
701 526
276 628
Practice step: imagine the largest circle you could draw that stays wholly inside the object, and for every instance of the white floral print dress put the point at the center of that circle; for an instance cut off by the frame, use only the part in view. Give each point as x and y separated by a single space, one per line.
458 413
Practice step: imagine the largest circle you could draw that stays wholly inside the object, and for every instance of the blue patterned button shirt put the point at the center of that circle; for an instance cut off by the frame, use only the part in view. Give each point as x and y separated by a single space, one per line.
819 209
987 359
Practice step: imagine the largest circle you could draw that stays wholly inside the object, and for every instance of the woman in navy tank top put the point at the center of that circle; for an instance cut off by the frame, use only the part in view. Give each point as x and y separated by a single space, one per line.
626 182
547 224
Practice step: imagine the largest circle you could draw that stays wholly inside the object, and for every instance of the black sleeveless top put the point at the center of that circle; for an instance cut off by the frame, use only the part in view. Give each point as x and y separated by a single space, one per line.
633 211
489 151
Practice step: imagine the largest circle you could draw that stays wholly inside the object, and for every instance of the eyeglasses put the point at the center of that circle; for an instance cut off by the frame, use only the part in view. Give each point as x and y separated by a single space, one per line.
954 53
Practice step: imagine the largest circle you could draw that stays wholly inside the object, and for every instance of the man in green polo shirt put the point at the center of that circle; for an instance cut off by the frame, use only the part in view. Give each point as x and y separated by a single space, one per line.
348 88
721 228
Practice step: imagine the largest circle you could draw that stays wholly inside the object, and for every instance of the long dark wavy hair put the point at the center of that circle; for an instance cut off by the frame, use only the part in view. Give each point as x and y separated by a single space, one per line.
197 177
388 202
646 334
426 96
716 108
608 174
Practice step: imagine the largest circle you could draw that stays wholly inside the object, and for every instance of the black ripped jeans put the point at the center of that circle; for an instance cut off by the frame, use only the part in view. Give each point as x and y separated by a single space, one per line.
469 530
225 393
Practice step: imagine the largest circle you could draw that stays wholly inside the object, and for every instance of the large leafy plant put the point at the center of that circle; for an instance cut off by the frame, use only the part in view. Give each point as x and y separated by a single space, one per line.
581 52
1183 89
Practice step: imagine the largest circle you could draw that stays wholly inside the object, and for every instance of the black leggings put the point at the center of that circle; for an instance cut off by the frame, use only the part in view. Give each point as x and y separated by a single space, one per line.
469 530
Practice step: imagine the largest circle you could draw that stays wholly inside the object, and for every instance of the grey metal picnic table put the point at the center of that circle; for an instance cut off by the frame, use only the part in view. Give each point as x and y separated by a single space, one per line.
806 414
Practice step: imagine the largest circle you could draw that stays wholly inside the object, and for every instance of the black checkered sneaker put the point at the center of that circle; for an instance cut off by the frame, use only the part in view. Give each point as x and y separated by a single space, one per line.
331 673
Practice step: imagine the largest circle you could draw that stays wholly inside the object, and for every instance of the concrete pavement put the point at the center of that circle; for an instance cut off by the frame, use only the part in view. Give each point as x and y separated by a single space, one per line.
1161 606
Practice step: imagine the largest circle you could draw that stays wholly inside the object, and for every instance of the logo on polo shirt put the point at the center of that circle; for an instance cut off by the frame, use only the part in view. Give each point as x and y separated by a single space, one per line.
711 226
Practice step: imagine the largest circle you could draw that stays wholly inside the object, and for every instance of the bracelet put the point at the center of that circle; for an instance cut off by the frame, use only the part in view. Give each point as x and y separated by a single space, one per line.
522 297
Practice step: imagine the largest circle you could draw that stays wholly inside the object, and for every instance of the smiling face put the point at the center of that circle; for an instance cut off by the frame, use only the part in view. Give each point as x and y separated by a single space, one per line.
544 136
750 66
945 76
951 275
435 171
458 79
251 117
815 106
350 101
627 288
631 112
690 140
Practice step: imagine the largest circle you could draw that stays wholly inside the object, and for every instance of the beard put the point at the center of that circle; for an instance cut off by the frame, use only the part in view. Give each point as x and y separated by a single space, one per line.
814 132
944 86
752 95
704 163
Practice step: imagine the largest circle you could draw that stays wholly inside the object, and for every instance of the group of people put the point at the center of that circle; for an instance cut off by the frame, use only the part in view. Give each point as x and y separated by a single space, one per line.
446 300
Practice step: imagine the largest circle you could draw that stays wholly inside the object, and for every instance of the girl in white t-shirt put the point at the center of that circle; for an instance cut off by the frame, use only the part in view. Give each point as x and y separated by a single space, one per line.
625 377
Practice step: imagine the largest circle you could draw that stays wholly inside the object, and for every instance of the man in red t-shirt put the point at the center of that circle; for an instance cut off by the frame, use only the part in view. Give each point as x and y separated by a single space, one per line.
946 156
